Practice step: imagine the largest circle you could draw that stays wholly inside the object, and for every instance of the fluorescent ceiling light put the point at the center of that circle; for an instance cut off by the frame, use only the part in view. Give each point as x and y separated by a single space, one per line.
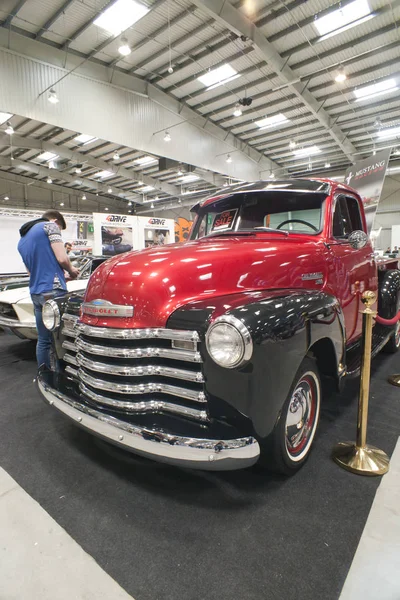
47 156
389 133
218 76
104 174
121 15
5 117
302 152
376 89
189 178
343 18
145 160
85 139
272 121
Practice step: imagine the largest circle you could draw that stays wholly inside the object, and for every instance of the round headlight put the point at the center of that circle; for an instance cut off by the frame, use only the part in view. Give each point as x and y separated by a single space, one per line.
229 342
51 315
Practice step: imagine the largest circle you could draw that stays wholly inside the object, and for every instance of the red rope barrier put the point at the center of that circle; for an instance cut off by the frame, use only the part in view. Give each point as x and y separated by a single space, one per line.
388 322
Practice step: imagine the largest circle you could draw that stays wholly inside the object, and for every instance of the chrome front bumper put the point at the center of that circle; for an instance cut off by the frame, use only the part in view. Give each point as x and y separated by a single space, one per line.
195 453
23 330
15 324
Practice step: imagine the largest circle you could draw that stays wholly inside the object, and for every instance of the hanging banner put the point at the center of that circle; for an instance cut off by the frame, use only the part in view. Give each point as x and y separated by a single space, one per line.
367 177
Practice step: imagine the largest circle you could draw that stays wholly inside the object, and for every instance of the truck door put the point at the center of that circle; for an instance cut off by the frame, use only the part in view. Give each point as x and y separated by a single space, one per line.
354 269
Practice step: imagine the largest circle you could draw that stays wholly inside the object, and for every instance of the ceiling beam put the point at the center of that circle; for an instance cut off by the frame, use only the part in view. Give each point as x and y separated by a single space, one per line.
76 156
53 18
13 13
228 16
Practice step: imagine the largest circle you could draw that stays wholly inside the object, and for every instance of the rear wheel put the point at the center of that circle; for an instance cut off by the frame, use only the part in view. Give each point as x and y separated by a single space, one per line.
293 435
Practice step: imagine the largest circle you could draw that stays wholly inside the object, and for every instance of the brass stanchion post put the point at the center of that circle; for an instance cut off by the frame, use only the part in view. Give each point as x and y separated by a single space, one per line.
359 457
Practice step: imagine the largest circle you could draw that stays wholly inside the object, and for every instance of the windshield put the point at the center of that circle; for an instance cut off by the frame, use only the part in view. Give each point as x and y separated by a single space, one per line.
287 211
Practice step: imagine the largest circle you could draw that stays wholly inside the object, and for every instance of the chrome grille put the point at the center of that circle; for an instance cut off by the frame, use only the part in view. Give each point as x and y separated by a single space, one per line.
137 371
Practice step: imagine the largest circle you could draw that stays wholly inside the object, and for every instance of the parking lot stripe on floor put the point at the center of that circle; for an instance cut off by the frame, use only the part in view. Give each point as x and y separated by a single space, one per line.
374 572
39 559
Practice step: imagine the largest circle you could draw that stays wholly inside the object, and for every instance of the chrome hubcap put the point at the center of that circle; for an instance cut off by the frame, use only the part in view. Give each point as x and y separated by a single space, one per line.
301 416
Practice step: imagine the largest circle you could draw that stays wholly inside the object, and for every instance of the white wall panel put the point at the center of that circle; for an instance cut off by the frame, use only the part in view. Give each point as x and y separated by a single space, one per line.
115 112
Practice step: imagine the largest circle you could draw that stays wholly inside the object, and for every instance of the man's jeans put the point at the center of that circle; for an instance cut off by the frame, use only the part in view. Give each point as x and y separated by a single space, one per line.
45 338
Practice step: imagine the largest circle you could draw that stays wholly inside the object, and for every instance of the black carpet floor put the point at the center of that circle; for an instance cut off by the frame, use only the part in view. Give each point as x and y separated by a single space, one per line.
165 533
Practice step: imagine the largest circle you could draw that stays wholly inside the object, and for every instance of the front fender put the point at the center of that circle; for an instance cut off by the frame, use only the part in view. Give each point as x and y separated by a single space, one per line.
285 326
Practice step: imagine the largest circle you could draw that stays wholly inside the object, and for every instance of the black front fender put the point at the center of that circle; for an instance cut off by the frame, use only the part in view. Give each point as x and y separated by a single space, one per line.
285 326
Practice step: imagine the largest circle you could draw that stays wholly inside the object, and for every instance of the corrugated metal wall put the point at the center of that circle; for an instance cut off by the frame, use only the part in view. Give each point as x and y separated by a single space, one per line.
91 106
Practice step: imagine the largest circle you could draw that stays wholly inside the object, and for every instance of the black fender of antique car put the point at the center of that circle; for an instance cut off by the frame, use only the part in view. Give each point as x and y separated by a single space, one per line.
285 326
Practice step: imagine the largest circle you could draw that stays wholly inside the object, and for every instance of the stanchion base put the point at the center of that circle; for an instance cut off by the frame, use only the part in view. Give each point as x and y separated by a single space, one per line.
394 380
364 461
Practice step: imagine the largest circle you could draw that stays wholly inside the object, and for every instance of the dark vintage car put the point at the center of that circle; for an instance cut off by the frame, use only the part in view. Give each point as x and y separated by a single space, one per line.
209 353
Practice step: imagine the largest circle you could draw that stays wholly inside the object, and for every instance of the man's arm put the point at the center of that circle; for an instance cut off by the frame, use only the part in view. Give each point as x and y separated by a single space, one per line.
58 248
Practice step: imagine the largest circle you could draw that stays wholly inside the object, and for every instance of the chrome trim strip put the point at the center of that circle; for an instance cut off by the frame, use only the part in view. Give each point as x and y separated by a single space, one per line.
67 345
138 334
69 332
72 371
7 322
70 358
69 317
217 455
145 371
142 388
184 355
151 406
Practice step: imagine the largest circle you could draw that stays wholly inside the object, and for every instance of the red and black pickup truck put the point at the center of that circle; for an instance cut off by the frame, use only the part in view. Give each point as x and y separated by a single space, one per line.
209 353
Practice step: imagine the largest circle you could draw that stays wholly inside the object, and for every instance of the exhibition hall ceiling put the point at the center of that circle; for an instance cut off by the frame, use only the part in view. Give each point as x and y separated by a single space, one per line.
309 86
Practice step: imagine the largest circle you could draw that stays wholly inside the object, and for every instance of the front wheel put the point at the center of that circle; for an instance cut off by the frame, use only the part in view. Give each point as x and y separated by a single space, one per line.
393 343
290 443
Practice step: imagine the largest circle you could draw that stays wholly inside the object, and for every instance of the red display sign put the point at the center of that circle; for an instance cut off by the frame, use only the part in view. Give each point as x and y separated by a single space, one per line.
224 220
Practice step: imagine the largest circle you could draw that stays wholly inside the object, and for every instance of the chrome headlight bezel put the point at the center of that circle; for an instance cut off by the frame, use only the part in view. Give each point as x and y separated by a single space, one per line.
55 315
239 328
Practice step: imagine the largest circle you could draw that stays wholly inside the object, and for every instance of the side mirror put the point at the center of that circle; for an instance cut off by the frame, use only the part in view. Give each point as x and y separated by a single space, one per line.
357 239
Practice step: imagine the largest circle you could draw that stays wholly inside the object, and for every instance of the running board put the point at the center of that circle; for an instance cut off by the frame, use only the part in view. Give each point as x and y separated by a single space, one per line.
380 335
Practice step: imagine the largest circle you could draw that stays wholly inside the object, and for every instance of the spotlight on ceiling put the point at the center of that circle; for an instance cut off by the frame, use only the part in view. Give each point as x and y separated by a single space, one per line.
9 129
109 190
78 169
167 136
340 76
116 156
246 101
84 197
124 48
237 112
152 205
377 123
292 144
272 175
327 165
170 69
106 208
52 97
229 158
61 203
49 180
6 198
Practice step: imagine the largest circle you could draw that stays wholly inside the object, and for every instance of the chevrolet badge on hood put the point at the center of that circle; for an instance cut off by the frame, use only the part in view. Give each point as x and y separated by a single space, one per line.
104 308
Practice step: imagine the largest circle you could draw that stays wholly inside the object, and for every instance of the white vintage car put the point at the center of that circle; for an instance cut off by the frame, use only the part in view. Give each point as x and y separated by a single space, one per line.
16 308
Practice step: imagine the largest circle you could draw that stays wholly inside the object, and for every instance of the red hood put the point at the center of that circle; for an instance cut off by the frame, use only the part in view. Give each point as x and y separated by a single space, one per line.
158 281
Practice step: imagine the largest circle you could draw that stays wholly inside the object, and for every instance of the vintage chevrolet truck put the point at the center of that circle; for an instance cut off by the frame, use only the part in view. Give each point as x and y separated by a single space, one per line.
209 353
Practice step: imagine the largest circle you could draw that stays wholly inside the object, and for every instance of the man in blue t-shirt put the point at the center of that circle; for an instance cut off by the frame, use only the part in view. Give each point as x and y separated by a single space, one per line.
45 258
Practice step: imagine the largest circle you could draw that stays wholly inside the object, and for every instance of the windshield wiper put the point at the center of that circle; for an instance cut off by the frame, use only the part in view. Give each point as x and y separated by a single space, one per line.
230 232
271 229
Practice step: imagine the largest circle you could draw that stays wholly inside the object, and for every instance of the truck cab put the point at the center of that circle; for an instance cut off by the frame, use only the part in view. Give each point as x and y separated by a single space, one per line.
210 353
